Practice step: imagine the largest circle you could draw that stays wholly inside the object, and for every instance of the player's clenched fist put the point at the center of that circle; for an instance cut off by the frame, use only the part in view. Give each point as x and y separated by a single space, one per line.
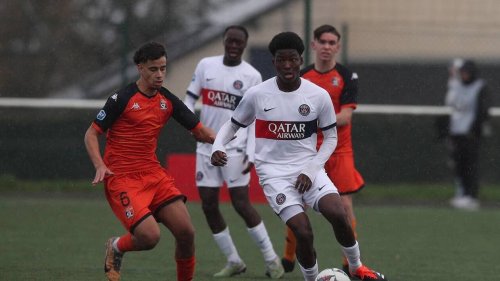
219 158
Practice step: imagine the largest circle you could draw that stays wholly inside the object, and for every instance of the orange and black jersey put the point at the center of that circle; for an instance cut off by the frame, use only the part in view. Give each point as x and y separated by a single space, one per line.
342 85
133 122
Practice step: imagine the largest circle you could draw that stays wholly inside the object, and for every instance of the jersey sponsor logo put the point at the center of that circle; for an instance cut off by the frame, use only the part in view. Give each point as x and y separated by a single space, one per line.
285 130
321 187
135 106
280 199
238 84
220 99
267 109
101 115
114 96
304 110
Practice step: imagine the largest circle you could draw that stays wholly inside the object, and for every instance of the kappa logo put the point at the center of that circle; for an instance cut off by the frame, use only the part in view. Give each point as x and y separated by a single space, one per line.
268 109
135 106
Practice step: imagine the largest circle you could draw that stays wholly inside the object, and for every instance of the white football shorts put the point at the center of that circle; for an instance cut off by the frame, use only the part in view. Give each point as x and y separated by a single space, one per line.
209 175
287 202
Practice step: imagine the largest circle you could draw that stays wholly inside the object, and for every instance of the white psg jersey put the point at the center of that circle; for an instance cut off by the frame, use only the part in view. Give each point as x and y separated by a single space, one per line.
286 126
221 88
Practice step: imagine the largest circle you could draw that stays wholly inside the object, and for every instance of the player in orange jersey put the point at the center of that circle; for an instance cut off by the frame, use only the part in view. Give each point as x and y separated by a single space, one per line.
342 85
137 188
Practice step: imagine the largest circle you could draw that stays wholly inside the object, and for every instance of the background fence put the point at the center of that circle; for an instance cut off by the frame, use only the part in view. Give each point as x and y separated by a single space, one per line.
43 139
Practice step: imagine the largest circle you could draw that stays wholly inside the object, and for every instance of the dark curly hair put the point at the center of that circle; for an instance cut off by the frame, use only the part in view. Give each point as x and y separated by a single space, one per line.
286 40
149 51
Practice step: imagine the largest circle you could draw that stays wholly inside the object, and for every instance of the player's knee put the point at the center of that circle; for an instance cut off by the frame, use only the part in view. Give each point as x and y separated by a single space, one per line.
210 207
148 240
304 235
185 236
241 205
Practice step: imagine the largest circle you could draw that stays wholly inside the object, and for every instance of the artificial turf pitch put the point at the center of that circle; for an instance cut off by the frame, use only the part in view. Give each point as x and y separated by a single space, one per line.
62 238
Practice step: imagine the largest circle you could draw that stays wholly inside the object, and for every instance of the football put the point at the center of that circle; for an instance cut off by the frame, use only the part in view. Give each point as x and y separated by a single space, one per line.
332 274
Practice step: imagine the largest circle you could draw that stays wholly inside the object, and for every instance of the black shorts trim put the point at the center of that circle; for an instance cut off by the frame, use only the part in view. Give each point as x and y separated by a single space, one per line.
173 199
352 192
132 228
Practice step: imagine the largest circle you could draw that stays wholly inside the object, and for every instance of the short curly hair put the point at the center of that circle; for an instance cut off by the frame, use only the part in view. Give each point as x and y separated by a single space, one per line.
149 51
286 40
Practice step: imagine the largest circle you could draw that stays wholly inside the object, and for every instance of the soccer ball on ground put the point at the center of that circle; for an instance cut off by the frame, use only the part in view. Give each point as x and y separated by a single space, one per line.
332 274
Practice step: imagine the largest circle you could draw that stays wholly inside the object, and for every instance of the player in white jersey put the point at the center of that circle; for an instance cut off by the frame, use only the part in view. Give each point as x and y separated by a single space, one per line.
221 82
287 111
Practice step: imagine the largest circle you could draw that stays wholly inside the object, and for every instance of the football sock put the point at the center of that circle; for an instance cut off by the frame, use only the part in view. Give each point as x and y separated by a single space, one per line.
290 245
124 243
309 273
261 238
354 223
185 268
226 245
353 256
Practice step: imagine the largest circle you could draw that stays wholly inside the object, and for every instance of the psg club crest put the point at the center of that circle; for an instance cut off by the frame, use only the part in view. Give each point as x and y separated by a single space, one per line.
280 199
199 176
238 85
304 110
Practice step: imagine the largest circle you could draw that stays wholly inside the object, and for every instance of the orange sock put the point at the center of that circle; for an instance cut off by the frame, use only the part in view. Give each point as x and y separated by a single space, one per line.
354 223
125 243
185 269
290 245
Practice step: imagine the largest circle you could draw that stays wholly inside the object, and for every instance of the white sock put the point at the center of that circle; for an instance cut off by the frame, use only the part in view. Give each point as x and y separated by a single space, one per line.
353 256
226 245
310 274
115 245
261 238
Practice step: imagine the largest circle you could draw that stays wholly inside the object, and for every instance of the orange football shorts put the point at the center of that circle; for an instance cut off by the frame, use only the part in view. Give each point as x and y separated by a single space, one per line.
135 196
341 170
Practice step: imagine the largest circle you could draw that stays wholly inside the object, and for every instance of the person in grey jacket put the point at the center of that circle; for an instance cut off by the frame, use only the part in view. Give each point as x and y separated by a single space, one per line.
469 103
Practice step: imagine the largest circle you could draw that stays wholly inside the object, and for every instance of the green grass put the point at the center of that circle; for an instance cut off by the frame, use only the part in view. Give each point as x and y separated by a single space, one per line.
62 238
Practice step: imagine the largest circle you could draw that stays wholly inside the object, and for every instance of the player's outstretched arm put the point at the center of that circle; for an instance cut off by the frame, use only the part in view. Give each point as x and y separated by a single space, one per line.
92 145
225 135
203 134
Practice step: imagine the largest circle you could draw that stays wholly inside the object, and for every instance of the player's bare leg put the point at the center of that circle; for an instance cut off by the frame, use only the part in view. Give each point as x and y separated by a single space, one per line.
306 255
176 218
210 205
331 207
145 236
257 230
241 203
349 209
